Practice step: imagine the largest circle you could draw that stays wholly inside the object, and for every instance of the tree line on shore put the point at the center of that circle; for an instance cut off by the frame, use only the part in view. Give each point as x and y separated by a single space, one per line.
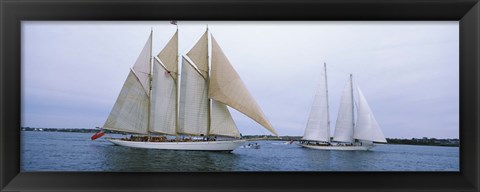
412 141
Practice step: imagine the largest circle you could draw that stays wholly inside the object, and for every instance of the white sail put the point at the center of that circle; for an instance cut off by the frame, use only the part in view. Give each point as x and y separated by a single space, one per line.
142 66
227 87
318 126
193 105
163 101
169 56
367 127
345 123
130 111
222 122
136 111
199 55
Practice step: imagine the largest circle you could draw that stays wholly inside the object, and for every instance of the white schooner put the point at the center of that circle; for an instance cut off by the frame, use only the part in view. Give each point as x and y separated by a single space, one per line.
149 106
348 135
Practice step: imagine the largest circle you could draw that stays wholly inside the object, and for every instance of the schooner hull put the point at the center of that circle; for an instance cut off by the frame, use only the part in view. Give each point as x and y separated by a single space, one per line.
189 146
339 147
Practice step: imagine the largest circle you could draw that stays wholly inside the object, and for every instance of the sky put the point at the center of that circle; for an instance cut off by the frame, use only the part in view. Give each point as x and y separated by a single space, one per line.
72 72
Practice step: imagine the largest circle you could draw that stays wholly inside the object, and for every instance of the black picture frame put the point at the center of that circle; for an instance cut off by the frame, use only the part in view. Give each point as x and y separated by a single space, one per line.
13 12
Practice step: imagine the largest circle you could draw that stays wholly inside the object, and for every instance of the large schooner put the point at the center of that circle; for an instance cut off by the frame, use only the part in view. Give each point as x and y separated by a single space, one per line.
348 135
149 106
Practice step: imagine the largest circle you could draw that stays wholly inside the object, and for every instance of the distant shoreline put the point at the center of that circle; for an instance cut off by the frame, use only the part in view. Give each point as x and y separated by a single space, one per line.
413 141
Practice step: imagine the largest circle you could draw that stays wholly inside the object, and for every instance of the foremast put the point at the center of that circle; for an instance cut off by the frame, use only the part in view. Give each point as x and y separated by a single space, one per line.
328 110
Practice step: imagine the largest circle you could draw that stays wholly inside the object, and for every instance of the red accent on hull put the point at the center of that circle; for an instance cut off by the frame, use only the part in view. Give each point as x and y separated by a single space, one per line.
98 135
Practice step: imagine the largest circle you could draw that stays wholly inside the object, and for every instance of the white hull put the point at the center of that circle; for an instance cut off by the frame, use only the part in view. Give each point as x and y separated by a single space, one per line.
192 146
339 147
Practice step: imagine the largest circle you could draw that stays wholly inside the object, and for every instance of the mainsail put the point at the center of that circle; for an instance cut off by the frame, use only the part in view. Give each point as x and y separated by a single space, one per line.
193 105
345 119
163 101
163 111
318 126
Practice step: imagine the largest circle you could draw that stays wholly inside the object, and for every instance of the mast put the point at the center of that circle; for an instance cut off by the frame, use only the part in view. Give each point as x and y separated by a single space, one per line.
353 104
194 102
326 92
208 84
150 82
176 93
173 22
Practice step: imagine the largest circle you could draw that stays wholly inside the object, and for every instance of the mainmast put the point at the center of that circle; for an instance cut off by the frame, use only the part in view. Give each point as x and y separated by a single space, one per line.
150 82
353 105
207 87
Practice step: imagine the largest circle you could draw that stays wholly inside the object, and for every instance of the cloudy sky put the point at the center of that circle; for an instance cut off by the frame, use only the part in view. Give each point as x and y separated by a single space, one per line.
72 72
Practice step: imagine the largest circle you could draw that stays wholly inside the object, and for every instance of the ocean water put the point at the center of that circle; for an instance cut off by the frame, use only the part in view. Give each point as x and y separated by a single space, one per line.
60 151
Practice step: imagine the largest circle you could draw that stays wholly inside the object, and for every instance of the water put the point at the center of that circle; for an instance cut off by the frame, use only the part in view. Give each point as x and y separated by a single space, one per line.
59 151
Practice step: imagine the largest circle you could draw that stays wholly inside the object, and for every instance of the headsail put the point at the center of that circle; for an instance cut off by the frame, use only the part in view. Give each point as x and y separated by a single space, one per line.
222 122
227 87
345 123
130 111
367 127
318 126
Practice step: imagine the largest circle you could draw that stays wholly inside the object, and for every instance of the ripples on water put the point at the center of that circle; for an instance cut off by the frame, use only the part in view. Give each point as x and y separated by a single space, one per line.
58 151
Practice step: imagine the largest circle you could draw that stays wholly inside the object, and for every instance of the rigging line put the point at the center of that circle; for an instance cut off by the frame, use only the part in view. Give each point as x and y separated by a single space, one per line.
191 47
341 70
336 70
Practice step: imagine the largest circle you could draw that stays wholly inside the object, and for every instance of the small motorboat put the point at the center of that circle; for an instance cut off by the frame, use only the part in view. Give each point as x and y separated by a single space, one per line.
251 146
